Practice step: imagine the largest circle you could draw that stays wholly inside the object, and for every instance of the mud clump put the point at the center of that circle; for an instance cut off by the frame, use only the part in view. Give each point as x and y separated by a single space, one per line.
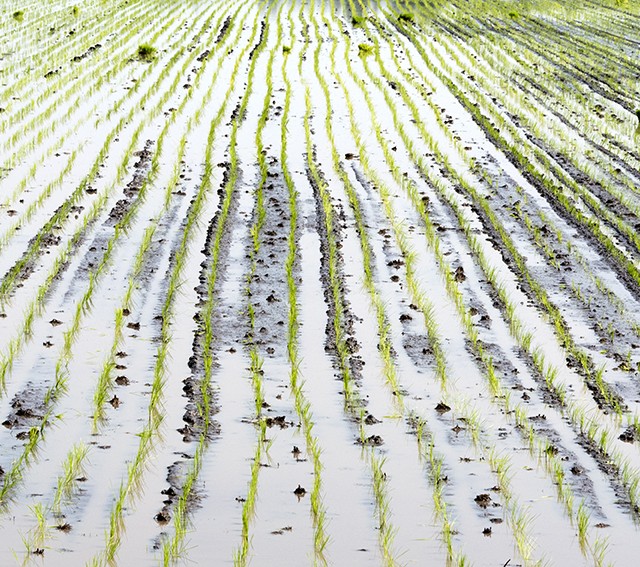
459 275
27 410
576 470
203 56
162 517
282 530
629 435
371 441
86 54
483 500
279 421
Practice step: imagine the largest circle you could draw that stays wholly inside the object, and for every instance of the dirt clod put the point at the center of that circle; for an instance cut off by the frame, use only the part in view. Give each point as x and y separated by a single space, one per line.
282 530
629 435
372 441
483 500
162 517
280 421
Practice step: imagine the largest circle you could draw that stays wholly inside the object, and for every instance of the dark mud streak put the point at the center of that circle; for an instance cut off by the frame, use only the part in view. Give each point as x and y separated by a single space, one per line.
258 45
531 87
194 422
612 473
195 425
27 409
99 244
510 203
354 361
160 242
594 188
496 140
132 189
268 286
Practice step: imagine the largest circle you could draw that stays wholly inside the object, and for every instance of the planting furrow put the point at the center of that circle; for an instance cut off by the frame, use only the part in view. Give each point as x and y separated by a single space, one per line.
406 317
68 246
222 261
44 221
514 206
86 302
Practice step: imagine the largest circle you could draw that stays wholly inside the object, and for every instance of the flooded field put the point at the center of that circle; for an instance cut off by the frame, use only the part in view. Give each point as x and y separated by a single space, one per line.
327 283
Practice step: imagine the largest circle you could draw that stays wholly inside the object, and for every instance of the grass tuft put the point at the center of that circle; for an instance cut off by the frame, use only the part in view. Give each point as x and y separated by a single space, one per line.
146 52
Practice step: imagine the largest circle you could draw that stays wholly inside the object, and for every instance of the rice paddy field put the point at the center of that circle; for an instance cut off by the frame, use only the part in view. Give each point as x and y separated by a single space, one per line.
325 282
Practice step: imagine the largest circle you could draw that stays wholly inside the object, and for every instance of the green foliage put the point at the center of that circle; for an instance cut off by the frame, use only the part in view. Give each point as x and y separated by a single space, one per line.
406 17
365 49
146 52
18 15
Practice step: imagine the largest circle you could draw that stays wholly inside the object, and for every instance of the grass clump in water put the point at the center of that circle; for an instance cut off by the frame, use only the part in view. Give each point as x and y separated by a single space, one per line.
365 49
146 52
